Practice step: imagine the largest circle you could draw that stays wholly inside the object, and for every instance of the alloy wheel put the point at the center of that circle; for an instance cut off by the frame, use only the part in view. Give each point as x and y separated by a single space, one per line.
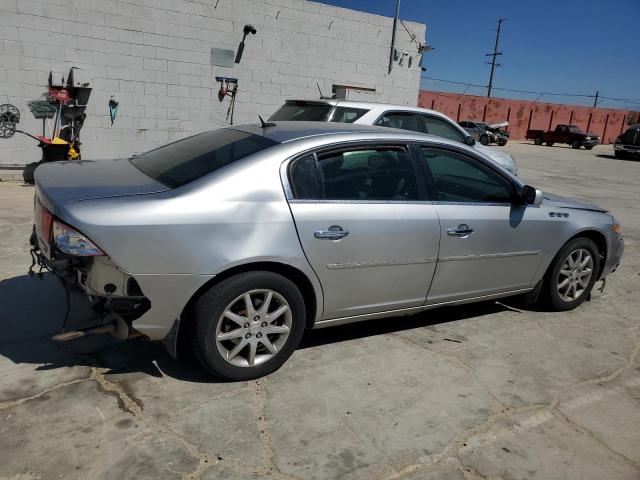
575 275
253 328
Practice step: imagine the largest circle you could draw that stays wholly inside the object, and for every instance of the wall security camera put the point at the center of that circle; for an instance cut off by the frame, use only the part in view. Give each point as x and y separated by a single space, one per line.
249 29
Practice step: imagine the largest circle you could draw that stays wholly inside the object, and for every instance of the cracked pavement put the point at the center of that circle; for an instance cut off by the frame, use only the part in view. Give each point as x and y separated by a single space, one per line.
484 391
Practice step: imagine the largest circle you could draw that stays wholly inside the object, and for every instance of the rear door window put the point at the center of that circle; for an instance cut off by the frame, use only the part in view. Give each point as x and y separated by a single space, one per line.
384 173
186 160
403 121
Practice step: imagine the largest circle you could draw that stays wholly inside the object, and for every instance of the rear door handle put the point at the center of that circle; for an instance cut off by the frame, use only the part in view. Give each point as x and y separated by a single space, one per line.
461 230
334 232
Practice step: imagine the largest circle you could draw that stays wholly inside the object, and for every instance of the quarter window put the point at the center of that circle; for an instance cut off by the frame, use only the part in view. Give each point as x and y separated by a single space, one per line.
403 121
368 174
458 178
303 177
346 114
441 128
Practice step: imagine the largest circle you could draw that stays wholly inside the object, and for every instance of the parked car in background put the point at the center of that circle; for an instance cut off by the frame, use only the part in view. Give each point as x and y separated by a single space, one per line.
485 133
394 116
627 145
241 238
569 134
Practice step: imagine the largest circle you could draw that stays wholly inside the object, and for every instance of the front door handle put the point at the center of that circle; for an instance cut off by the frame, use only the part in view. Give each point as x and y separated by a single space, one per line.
334 232
461 230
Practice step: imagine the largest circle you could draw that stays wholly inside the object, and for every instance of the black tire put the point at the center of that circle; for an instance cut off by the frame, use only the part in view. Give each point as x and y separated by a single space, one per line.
537 140
28 174
502 142
588 147
484 139
575 144
549 144
549 294
207 313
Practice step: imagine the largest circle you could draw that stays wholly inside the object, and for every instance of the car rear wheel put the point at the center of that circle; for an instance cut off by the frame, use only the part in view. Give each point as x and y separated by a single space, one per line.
575 144
588 147
537 140
248 325
484 139
549 144
572 274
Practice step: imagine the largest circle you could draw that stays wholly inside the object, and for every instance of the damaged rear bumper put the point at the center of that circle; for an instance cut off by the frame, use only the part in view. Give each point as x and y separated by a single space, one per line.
150 304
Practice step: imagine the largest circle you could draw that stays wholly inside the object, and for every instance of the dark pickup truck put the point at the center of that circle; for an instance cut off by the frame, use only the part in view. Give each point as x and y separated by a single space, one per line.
627 145
570 134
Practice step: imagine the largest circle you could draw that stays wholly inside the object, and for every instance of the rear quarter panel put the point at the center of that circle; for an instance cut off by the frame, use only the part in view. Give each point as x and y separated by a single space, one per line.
239 213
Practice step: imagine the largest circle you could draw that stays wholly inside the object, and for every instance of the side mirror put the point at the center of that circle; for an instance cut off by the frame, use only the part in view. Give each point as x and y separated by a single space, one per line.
470 141
531 195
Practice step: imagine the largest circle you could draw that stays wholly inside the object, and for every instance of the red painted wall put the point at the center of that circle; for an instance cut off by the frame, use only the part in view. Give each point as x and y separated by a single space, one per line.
607 123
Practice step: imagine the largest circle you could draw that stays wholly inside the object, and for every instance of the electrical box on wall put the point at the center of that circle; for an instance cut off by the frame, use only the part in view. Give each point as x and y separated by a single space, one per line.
354 92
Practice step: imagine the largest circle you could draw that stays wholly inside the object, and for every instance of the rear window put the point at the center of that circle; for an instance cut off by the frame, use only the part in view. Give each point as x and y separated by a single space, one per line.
302 111
186 160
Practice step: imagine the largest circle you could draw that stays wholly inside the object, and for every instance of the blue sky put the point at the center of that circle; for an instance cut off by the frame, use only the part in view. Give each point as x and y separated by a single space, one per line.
567 46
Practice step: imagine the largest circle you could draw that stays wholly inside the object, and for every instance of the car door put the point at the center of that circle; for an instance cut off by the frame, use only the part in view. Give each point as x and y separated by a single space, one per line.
365 227
488 245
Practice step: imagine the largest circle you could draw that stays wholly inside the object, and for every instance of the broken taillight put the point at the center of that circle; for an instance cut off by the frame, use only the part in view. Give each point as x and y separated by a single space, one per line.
44 219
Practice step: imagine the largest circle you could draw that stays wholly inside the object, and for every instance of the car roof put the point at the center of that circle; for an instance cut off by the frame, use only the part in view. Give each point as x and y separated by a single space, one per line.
314 134
367 105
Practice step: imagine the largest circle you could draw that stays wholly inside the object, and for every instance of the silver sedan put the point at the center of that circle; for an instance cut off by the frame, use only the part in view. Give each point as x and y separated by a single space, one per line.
241 238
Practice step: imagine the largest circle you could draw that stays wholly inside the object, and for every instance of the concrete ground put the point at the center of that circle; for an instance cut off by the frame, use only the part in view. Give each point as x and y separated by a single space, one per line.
481 391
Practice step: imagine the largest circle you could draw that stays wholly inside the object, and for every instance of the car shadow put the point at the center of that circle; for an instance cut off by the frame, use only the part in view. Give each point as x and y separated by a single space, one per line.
32 309
382 326
613 157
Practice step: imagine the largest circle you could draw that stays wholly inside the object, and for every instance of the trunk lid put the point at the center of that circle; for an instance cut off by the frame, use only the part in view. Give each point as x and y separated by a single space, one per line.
66 182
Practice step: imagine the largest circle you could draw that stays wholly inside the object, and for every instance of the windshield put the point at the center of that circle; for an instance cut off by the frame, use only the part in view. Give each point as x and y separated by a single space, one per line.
302 111
574 129
483 126
186 160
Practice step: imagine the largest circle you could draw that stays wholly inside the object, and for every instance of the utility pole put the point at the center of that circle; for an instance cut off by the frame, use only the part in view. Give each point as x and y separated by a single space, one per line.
393 35
595 100
494 55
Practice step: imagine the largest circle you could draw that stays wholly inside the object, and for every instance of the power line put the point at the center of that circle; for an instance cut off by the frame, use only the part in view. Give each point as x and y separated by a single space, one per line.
532 92
624 100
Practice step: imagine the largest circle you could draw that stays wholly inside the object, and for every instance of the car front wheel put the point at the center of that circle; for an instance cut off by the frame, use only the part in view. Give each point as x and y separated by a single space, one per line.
248 325
484 140
572 274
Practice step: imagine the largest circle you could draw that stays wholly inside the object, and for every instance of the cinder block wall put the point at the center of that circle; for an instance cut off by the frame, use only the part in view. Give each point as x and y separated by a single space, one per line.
522 115
154 56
